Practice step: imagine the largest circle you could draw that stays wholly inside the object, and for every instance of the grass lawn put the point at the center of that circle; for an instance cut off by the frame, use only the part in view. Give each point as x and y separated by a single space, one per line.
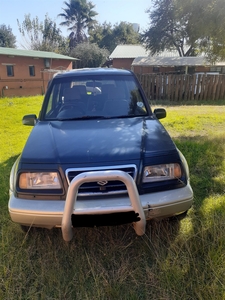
173 260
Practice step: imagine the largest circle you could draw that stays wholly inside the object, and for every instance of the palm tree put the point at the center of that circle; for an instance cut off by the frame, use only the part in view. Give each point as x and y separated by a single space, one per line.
79 18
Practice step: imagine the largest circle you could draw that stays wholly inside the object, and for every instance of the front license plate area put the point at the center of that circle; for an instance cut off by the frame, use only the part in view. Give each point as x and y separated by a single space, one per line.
104 220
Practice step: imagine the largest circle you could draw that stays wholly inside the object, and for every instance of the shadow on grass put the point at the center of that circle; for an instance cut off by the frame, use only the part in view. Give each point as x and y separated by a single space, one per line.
205 157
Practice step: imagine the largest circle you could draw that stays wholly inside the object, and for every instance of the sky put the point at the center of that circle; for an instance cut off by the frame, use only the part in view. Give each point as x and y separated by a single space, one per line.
111 11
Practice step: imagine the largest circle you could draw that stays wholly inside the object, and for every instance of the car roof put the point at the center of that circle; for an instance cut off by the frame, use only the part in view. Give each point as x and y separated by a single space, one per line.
93 71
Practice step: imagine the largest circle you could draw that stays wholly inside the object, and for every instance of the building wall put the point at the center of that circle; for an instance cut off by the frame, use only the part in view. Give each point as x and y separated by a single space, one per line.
126 63
22 83
167 70
122 63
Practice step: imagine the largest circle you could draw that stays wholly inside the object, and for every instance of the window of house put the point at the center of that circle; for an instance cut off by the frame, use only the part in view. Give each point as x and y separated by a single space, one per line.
215 69
32 70
191 70
156 69
10 70
179 69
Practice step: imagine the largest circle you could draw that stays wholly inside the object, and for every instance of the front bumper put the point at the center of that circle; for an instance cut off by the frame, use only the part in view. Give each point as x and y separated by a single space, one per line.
56 213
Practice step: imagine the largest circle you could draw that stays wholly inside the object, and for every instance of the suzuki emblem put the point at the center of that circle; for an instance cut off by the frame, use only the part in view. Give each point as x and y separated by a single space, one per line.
103 182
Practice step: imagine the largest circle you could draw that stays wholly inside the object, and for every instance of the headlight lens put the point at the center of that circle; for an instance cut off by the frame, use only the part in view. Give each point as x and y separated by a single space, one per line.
161 172
42 180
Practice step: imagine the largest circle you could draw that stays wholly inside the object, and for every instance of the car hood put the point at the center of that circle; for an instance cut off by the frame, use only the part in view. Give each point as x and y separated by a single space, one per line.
96 141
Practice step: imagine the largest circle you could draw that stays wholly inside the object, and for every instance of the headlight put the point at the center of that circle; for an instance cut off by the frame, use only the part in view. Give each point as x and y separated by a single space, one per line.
161 172
42 180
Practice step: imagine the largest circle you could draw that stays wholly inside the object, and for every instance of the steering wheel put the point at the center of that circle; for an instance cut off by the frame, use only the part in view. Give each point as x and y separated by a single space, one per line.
72 107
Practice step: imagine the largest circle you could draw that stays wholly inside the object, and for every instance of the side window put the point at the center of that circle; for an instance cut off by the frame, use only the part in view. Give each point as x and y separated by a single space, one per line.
10 70
32 70
53 102
49 107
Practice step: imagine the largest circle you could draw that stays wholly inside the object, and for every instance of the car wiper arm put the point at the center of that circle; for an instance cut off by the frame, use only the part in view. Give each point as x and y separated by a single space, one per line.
82 118
124 116
93 117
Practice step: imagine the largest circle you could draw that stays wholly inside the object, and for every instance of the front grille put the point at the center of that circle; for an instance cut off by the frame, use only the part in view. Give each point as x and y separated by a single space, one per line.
102 188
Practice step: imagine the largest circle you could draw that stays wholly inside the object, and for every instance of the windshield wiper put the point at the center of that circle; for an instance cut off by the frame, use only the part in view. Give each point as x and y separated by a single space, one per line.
82 118
125 116
89 117
94 117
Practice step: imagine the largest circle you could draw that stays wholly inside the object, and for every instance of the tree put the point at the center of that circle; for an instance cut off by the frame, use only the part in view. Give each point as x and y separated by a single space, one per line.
102 35
206 20
7 38
89 55
168 29
108 36
79 18
43 36
190 27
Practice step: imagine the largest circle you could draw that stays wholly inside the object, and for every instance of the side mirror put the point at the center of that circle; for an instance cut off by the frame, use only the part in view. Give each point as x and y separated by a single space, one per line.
160 113
29 120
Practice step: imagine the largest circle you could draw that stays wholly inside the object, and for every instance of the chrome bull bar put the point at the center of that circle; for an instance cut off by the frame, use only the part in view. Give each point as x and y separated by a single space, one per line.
70 203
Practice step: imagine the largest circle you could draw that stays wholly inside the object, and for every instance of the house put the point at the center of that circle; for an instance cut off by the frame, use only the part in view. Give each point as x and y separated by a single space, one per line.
123 55
175 65
27 72
166 62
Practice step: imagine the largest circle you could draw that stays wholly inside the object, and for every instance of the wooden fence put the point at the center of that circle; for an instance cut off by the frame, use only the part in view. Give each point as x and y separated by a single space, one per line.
183 87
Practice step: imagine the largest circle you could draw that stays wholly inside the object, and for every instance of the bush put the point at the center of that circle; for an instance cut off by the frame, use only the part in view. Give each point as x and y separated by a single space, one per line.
89 55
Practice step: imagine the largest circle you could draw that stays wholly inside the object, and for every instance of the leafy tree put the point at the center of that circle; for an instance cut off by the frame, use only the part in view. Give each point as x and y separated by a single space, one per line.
108 36
206 20
79 18
43 36
89 55
189 27
7 39
102 35
168 29
123 33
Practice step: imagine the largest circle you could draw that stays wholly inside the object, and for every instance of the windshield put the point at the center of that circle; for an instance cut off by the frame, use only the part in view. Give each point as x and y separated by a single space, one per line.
92 97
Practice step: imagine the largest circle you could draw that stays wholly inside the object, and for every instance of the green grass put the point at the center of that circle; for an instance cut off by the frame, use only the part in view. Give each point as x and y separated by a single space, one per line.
173 260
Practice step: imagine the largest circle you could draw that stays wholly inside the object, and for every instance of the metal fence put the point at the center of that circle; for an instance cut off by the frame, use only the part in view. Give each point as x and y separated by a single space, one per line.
183 87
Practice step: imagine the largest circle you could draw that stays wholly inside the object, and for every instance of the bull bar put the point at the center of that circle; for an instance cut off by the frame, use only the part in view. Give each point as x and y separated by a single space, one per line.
70 203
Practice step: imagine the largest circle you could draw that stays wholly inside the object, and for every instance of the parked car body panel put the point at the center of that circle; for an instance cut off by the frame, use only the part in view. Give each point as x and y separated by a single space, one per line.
48 213
125 139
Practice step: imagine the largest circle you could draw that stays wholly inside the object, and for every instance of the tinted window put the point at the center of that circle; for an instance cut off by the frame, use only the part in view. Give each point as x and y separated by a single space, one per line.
103 96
